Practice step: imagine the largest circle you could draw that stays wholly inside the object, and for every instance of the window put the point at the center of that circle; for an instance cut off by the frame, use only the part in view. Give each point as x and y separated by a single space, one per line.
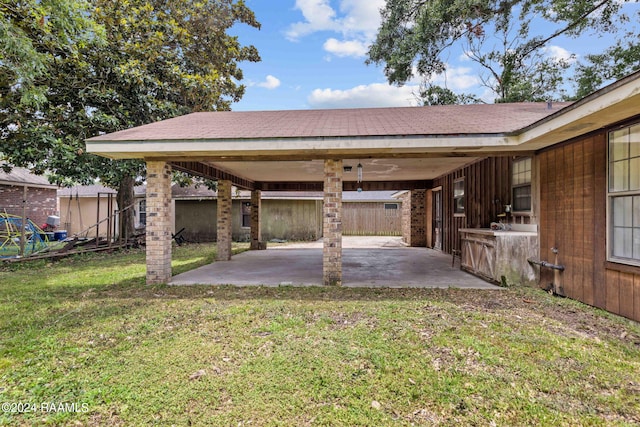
142 213
391 209
521 185
624 195
458 196
246 214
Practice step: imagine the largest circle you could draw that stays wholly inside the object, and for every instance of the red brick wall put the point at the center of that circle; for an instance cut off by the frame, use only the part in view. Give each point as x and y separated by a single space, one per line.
40 202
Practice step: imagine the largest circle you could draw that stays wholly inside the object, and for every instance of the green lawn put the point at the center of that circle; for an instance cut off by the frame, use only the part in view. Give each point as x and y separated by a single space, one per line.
87 333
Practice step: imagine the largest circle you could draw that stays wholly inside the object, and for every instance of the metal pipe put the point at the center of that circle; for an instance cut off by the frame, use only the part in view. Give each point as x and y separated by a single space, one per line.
546 264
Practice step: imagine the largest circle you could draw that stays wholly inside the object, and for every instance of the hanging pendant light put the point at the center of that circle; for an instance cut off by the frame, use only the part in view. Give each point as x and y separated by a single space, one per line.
359 177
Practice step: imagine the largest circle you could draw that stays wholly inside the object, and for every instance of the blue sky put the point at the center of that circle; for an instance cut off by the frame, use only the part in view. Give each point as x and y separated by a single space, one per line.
313 54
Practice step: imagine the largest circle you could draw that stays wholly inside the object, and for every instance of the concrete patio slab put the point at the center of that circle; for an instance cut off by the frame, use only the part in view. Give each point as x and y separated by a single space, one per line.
366 262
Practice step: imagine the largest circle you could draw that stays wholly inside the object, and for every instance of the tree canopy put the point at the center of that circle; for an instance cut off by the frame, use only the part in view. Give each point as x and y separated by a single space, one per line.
123 63
504 37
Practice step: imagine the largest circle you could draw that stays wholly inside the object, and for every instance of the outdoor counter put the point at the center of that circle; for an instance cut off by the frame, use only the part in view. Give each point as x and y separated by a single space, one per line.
499 256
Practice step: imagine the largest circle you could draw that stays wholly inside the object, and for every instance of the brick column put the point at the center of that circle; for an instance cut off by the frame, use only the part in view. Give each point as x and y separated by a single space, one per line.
332 223
418 218
256 229
224 221
159 222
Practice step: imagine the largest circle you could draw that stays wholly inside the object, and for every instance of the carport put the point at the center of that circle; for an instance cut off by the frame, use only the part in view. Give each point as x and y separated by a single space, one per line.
317 150
368 261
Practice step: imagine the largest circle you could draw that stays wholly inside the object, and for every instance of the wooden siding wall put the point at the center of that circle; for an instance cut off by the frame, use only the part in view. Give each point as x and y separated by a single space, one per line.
371 219
281 219
487 190
573 201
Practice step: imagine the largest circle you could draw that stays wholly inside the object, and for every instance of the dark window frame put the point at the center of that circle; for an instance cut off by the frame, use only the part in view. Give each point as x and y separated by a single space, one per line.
459 191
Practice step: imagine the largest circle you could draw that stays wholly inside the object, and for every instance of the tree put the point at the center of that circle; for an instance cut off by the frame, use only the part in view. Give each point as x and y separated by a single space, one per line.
431 94
617 61
416 37
31 32
159 59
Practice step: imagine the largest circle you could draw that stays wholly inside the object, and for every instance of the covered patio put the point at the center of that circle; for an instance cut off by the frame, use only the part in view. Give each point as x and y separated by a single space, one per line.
330 151
367 262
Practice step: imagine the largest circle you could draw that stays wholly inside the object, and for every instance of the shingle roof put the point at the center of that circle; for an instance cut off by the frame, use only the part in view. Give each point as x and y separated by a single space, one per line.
21 176
93 190
431 120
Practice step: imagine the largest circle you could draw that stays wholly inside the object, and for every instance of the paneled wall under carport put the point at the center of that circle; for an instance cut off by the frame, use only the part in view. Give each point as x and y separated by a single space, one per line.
573 197
281 219
487 187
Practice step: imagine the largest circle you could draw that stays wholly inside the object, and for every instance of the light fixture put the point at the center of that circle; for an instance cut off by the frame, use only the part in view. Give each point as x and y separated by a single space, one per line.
359 177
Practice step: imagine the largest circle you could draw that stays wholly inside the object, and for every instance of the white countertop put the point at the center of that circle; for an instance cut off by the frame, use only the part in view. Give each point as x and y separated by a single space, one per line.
490 232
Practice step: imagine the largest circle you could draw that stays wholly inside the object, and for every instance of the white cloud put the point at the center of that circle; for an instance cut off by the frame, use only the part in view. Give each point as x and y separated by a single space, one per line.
270 82
560 54
373 95
356 21
319 16
353 48
458 79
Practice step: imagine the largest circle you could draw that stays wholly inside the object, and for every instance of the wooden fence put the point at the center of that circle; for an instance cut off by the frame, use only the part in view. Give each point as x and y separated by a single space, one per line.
371 219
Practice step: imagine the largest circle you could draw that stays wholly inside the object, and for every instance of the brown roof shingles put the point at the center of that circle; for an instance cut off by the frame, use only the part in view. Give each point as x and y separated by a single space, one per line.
363 122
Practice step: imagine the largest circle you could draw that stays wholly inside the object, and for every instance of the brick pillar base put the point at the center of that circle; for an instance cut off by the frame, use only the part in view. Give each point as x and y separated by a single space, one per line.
224 221
332 224
158 229
256 230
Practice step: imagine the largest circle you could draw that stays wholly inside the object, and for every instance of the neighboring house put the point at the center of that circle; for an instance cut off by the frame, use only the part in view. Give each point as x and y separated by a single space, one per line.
285 215
22 192
84 206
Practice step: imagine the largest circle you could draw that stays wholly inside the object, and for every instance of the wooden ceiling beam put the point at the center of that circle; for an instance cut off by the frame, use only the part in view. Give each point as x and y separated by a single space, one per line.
209 172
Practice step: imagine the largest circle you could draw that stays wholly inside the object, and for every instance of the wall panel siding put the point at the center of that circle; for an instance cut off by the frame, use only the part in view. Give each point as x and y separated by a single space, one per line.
636 297
487 190
626 294
573 218
588 217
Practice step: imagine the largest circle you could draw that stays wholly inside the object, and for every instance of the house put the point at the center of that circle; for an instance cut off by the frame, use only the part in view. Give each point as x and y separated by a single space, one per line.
285 215
550 188
23 193
84 209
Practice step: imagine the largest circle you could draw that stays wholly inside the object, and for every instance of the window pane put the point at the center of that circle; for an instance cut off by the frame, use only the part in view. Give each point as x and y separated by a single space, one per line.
458 188
618 173
634 141
636 211
458 196
634 174
522 198
636 243
622 207
459 206
619 145
622 242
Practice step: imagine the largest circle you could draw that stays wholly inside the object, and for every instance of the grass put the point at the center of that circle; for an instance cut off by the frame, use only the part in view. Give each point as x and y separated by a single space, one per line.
87 332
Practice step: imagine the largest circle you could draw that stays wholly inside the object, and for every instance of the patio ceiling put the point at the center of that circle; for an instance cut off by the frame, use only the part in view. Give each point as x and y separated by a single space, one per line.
399 148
